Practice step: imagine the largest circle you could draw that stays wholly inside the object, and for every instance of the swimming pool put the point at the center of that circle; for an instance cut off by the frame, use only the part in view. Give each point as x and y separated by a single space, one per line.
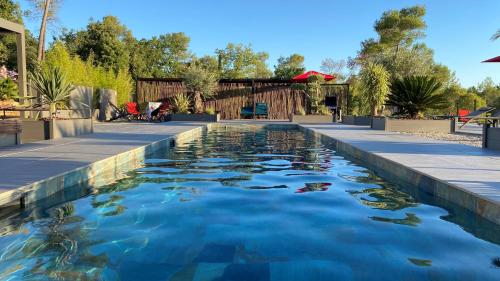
249 204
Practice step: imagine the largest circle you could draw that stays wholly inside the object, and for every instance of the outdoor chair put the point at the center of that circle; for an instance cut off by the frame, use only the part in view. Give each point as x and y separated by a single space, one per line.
462 113
476 114
160 112
129 111
246 112
133 110
261 110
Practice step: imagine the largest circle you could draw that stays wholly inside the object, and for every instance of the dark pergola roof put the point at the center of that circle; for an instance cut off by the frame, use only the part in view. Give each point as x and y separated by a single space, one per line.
10 27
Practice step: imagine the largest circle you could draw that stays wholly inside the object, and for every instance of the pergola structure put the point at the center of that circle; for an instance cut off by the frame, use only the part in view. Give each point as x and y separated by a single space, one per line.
12 27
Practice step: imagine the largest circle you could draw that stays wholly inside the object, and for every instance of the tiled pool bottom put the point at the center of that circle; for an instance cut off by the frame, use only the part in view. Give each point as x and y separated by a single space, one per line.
249 204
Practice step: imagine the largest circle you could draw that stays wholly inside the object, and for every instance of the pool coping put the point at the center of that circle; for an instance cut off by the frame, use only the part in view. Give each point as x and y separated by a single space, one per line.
101 172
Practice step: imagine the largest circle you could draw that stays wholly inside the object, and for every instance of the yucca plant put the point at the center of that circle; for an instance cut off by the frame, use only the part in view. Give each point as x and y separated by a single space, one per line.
53 86
413 95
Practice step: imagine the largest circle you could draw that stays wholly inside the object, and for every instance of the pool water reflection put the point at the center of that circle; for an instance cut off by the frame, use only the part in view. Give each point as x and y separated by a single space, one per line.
249 204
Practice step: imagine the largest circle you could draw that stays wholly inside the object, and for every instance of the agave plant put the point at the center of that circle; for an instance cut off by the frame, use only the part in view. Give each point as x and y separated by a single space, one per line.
413 95
53 86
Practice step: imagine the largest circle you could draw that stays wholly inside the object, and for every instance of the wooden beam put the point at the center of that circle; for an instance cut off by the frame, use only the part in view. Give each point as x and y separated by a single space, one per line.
21 69
8 26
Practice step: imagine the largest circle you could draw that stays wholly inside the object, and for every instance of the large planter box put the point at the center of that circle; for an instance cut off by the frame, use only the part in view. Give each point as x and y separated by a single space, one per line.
10 132
357 120
412 126
37 130
197 117
312 119
491 138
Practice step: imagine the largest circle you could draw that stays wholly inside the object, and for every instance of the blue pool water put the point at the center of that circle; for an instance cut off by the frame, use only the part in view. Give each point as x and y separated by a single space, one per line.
249 204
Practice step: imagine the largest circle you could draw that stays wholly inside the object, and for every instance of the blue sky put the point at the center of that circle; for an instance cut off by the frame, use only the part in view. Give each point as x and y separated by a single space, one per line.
458 30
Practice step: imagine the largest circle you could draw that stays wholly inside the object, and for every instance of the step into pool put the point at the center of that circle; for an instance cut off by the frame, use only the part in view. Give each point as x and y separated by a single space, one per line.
249 203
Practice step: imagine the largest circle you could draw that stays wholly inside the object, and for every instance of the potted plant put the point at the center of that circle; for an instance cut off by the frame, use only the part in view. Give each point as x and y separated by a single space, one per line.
203 85
54 88
411 97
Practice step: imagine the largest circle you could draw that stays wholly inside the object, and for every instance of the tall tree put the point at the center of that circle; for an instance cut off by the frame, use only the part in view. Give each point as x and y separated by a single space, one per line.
400 28
290 66
239 61
164 56
108 41
47 9
398 49
336 68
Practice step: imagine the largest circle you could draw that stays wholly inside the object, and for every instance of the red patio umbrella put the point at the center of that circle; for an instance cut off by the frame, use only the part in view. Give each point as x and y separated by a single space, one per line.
495 59
303 77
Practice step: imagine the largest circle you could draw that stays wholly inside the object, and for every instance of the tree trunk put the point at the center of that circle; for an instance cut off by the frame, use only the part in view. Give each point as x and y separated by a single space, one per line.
43 29
198 106
52 111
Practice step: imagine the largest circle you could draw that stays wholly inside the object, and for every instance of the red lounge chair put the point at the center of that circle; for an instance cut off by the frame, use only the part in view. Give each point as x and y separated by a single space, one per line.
161 111
461 115
133 110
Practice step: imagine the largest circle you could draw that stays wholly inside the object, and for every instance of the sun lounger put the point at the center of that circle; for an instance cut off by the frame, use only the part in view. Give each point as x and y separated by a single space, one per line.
476 114
260 111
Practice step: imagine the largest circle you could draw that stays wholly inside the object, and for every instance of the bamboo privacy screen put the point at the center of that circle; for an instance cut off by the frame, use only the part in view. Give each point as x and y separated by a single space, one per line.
233 94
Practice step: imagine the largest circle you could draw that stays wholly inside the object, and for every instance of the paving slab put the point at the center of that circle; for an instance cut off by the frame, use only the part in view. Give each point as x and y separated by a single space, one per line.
32 162
471 168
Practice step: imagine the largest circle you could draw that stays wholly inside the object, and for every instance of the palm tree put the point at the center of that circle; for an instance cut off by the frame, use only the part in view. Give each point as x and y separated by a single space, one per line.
53 86
375 86
415 94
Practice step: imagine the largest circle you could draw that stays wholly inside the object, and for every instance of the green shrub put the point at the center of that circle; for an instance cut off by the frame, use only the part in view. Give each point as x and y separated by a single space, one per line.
323 110
301 111
415 94
85 73
8 89
210 110
181 103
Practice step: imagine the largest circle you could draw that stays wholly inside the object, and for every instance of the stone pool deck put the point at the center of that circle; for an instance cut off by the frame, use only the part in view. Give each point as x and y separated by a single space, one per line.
30 163
433 165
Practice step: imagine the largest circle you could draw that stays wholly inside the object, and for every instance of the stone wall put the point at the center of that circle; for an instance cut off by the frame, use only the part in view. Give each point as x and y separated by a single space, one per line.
312 119
357 120
106 111
70 128
413 126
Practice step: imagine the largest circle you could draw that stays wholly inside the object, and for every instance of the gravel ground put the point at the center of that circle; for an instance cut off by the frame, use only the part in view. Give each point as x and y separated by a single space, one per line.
456 138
